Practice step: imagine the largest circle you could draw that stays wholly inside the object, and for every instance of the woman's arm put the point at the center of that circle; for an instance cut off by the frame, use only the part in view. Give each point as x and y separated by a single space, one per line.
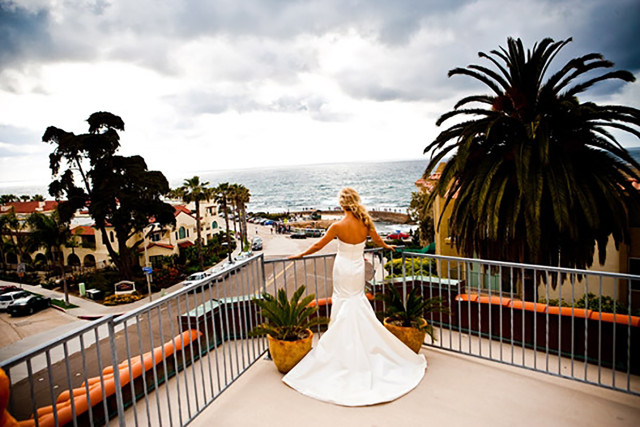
328 236
377 240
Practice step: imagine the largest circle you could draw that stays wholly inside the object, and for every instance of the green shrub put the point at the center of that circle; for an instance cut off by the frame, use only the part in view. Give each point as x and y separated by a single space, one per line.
166 276
28 278
592 302
412 266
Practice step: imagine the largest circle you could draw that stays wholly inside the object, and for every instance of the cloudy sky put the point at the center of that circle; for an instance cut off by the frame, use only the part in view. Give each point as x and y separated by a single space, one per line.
219 84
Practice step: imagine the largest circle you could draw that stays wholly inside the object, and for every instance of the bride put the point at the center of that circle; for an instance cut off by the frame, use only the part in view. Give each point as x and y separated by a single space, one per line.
357 361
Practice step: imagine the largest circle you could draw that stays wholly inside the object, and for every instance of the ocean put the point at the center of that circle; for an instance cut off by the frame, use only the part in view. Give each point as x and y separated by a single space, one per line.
382 186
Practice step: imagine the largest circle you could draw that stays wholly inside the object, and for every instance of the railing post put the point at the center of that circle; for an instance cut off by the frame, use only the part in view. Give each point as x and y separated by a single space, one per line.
116 372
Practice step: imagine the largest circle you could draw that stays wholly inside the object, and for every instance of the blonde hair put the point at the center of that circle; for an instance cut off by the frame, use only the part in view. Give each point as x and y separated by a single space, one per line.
349 200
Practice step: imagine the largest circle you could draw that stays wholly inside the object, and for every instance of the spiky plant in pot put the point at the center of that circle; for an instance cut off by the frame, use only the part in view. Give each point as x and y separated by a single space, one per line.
287 326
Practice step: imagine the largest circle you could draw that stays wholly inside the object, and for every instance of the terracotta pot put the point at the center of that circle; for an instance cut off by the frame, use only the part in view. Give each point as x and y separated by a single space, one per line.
287 354
412 337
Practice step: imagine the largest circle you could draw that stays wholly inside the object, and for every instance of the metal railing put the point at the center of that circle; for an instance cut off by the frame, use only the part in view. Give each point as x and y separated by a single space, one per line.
165 362
160 364
576 324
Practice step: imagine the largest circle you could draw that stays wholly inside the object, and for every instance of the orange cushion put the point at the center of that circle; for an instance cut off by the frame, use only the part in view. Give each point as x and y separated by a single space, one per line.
467 297
619 318
567 311
529 306
493 299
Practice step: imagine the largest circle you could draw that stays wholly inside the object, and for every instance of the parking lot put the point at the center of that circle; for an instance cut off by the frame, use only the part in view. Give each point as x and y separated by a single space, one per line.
13 329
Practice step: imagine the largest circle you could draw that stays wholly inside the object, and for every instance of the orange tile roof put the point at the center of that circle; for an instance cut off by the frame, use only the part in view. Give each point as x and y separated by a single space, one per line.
83 230
160 245
181 208
30 207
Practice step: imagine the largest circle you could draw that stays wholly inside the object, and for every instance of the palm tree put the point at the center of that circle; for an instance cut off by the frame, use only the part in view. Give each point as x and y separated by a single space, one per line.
221 196
193 190
243 196
233 199
48 232
18 241
8 198
535 175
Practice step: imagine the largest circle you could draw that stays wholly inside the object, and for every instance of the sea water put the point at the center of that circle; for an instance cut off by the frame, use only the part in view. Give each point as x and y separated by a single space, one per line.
382 186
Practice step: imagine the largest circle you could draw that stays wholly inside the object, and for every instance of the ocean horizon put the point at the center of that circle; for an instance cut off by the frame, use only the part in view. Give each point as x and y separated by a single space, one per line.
382 185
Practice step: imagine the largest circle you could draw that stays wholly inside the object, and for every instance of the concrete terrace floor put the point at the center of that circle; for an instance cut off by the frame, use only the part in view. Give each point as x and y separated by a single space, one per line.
456 390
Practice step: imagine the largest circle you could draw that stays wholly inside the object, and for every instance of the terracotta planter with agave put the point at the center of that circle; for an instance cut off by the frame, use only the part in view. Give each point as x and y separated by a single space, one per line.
287 354
412 337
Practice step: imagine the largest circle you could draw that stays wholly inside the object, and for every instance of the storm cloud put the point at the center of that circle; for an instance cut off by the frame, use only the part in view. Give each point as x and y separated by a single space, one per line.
283 73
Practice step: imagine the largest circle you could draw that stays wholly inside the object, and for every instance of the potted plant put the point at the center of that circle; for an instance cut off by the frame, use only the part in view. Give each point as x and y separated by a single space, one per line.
406 320
287 326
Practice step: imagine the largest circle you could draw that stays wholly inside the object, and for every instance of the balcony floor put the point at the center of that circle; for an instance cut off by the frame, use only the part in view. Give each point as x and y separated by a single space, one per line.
456 390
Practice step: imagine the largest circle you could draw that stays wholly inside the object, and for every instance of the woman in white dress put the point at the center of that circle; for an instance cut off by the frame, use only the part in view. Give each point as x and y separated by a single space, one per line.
357 361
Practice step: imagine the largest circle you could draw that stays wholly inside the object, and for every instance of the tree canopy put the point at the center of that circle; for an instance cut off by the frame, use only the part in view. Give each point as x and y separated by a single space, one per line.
119 191
534 174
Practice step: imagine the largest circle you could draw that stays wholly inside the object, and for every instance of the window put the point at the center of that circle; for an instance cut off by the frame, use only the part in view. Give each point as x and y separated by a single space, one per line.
111 236
156 236
182 233
214 225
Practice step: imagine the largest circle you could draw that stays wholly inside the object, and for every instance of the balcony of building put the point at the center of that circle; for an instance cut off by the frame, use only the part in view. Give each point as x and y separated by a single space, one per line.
498 359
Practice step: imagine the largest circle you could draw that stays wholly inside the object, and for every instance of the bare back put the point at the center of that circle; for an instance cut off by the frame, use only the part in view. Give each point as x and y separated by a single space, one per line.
351 230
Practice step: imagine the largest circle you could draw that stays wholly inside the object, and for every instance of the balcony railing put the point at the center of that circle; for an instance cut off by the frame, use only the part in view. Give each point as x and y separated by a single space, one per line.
164 363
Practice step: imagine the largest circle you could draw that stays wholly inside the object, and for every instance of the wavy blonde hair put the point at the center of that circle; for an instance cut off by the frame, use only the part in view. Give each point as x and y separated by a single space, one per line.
349 200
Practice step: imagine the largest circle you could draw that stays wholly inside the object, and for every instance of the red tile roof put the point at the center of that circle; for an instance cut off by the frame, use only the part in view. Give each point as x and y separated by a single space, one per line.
181 208
160 245
30 207
83 230
186 244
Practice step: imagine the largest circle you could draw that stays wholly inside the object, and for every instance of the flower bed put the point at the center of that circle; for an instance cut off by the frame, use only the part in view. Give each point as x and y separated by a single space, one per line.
121 299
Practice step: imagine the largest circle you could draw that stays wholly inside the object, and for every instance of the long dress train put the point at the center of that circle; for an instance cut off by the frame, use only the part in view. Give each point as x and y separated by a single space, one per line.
357 361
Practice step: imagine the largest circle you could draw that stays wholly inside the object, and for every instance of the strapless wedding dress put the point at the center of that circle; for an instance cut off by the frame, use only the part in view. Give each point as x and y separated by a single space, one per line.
357 361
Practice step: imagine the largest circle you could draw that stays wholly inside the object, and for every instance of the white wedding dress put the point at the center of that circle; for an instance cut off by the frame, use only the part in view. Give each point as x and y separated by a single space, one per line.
357 361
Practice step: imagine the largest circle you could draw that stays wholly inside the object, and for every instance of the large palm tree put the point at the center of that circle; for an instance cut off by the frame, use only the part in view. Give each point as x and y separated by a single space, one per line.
222 195
233 199
535 175
49 233
240 196
194 190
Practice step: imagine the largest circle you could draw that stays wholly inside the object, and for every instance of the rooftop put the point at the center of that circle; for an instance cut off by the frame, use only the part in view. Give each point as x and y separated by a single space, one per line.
456 390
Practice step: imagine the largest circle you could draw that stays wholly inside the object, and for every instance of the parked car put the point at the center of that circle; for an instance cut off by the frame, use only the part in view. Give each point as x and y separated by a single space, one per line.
195 278
299 234
256 244
28 305
398 236
314 232
10 297
8 288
